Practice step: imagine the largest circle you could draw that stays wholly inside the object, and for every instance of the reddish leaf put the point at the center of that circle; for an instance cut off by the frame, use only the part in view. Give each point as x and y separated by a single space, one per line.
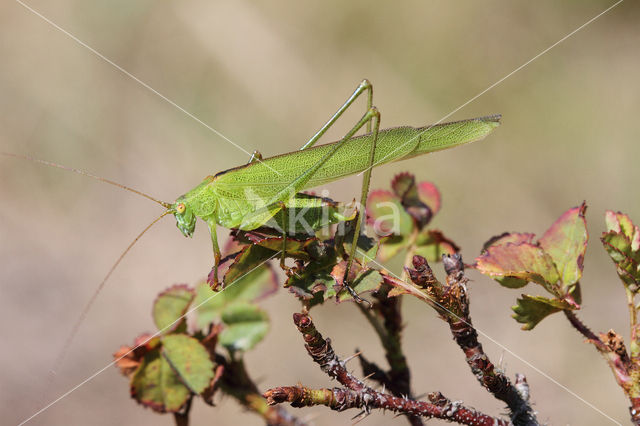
386 214
127 358
429 194
405 188
523 261
432 244
566 242
509 237
622 242
404 185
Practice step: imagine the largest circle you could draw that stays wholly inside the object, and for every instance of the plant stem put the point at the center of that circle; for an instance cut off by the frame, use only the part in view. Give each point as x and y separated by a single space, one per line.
359 395
451 301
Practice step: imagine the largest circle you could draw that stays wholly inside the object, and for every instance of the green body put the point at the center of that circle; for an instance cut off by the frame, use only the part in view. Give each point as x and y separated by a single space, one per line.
245 197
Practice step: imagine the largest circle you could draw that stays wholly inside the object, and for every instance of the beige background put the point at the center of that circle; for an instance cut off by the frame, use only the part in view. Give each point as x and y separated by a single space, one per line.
267 75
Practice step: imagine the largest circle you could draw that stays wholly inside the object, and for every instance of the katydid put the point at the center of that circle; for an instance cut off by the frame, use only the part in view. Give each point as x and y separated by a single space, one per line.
246 197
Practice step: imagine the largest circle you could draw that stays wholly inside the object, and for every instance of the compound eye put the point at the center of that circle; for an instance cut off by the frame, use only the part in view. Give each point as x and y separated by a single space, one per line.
180 208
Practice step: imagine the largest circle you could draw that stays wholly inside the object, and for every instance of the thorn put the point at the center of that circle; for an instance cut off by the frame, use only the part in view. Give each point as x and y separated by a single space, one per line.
368 376
357 354
364 415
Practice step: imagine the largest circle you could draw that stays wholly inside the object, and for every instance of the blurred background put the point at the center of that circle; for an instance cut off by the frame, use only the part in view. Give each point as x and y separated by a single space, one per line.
267 76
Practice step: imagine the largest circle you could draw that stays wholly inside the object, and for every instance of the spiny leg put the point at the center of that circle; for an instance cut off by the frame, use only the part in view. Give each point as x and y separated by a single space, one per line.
366 180
365 85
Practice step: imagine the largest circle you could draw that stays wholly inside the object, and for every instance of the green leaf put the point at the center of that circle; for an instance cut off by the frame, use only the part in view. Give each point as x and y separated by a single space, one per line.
432 244
523 261
170 305
155 385
566 242
254 286
246 325
190 360
386 215
530 310
314 284
620 223
391 246
250 259
622 242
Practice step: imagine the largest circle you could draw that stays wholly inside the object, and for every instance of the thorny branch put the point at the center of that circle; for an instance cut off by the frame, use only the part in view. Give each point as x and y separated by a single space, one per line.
359 395
386 319
451 301
611 346
236 382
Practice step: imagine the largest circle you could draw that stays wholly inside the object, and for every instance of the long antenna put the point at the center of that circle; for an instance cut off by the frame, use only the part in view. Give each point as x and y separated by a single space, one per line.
87 306
85 173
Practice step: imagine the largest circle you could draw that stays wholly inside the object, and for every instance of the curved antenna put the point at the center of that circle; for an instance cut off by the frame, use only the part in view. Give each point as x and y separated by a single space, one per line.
89 304
84 173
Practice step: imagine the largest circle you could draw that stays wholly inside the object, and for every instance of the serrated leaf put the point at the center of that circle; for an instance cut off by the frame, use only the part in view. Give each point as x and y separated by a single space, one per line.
621 223
432 244
522 261
509 237
566 242
170 305
254 286
245 326
627 260
190 360
386 215
530 310
157 386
